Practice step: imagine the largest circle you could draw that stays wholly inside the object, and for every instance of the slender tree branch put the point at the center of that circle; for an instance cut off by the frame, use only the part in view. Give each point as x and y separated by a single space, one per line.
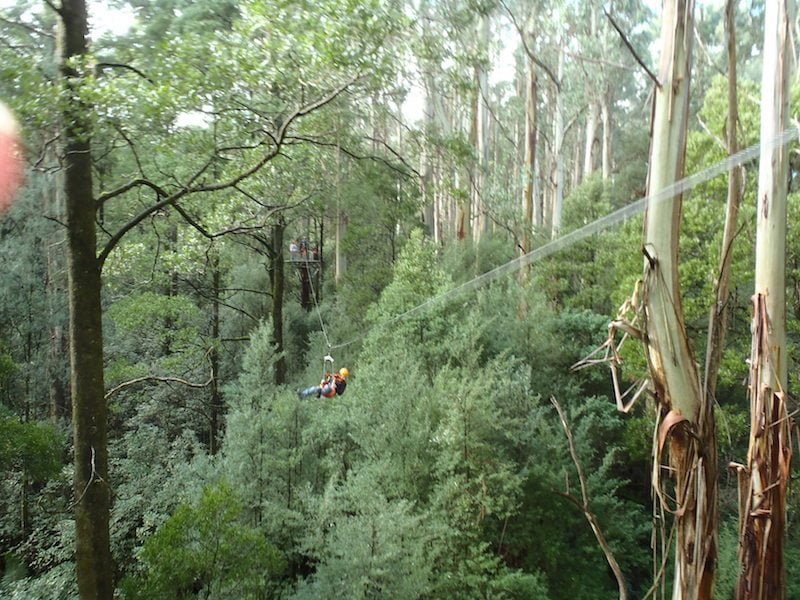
354 155
531 54
586 508
203 294
132 382
57 10
235 229
503 129
396 154
110 65
49 142
103 198
630 48
131 145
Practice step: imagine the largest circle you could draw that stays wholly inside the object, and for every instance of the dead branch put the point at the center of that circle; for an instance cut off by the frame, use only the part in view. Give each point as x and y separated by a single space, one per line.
528 51
626 323
110 65
132 382
628 45
586 508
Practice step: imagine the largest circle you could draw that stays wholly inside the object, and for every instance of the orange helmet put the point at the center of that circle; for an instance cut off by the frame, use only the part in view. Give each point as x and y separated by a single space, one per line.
344 372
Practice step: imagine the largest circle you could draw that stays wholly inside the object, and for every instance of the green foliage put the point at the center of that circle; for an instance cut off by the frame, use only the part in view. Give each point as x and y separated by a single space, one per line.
369 546
728 560
154 469
517 585
33 447
56 584
204 547
141 318
443 471
588 274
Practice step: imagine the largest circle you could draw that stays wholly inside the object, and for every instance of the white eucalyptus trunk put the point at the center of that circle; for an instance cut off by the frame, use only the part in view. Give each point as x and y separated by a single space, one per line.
558 151
765 479
684 428
482 137
605 117
531 217
591 137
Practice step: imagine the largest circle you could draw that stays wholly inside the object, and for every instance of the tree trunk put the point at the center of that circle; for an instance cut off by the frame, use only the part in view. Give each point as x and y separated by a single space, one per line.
577 166
481 136
529 218
605 118
340 264
720 311
558 151
591 137
277 299
684 420
426 168
95 570
319 274
764 482
305 286
216 398
57 369
592 113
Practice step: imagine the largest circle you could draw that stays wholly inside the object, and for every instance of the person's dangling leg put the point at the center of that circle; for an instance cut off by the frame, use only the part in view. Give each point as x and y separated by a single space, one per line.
311 391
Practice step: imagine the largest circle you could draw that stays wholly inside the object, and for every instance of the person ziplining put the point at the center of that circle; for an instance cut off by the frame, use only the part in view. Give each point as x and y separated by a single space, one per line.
332 384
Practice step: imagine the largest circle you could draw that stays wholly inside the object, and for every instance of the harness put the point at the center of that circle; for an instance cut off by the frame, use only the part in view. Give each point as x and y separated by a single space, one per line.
333 384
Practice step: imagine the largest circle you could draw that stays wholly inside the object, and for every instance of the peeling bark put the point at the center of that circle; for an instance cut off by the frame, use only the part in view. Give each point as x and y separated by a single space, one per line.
691 439
765 479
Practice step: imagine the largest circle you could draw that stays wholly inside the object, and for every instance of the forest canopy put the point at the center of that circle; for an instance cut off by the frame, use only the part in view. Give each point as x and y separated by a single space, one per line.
449 205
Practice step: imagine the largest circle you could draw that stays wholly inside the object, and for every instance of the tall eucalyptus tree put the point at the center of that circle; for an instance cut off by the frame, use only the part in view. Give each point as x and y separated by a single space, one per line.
685 421
764 481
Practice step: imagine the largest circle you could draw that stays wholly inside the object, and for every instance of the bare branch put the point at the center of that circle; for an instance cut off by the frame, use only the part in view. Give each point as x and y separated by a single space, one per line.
57 10
527 49
396 154
235 229
110 65
356 156
103 198
627 43
585 507
132 382
598 61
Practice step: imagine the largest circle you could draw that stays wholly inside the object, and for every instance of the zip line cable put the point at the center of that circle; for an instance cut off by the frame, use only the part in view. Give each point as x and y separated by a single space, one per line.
316 305
635 208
